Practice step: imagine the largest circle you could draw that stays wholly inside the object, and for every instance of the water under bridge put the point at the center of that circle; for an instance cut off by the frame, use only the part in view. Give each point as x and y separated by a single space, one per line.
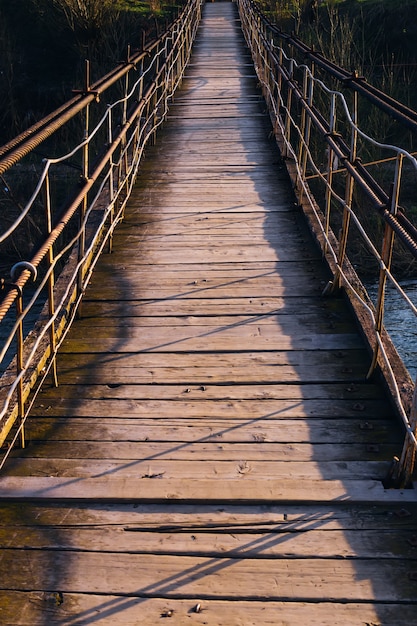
215 451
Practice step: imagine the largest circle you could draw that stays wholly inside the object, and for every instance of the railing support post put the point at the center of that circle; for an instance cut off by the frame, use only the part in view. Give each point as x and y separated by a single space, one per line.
305 126
348 198
84 202
403 470
386 258
330 167
51 279
287 125
20 368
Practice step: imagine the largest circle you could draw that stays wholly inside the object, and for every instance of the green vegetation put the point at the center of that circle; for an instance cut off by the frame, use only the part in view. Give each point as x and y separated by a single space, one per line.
44 44
375 37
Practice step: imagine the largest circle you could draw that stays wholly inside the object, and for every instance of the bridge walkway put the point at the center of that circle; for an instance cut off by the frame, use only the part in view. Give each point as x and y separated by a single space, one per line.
213 453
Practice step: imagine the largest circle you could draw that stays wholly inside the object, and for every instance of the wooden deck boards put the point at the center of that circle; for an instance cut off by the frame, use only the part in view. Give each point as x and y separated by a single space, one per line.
214 453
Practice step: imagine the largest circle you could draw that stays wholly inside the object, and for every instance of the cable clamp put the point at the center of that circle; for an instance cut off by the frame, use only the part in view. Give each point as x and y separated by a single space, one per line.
20 267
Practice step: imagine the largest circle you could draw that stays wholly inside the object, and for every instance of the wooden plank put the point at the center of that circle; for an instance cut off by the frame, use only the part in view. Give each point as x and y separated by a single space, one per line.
256 364
133 290
228 154
111 373
243 245
204 113
287 333
218 221
336 399
117 404
168 203
237 187
94 306
177 255
185 223
221 222
246 175
214 177
268 323
194 326
37 607
132 489
351 360
236 451
178 332
220 430
214 517
254 543
217 240
188 275
207 275
224 368
177 339
250 471
147 575
225 292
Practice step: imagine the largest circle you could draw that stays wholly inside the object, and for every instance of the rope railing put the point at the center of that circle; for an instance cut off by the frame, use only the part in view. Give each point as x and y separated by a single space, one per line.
326 150
95 177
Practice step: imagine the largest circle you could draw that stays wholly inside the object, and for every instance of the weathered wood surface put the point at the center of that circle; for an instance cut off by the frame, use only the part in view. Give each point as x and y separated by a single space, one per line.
47 608
214 453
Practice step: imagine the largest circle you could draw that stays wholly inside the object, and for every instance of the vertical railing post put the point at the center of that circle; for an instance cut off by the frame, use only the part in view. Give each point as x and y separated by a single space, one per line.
287 126
154 99
386 258
272 74
301 143
51 279
280 61
124 160
167 74
403 469
305 125
140 87
111 179
330 167
177 55
20 367
170 68
84 203
348 196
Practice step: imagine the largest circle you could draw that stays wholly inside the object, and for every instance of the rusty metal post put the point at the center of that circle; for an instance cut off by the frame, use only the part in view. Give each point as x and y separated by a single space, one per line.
20 367
287 125
386 257
123 144
403 469
305 125
152 137
330 168
51 279
111 180
348 197
280 60
84 203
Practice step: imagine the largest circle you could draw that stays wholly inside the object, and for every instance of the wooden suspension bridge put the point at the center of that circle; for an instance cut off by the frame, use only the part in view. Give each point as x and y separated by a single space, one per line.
214 453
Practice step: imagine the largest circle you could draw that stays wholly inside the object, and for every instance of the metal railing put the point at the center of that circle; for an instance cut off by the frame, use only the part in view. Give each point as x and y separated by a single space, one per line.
74 202
367 188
